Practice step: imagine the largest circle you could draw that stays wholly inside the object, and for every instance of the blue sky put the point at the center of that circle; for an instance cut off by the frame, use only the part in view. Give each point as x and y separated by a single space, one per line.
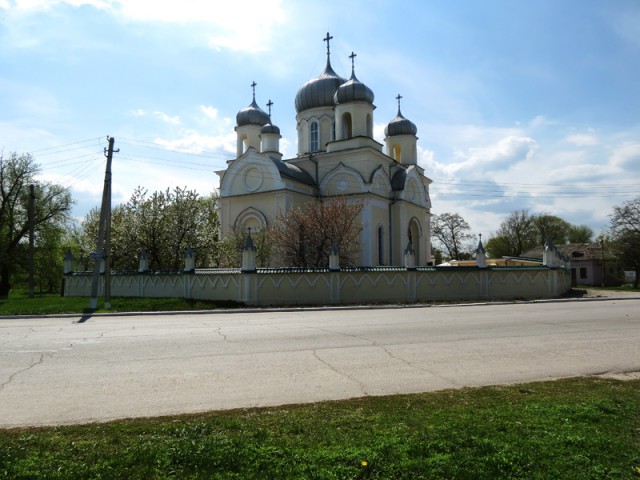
518 104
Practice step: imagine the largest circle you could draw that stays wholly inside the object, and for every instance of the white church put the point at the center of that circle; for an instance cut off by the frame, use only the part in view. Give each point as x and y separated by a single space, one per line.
337 156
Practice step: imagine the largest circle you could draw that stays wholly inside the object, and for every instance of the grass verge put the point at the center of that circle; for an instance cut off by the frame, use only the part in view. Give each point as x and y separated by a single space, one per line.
19 303
584 428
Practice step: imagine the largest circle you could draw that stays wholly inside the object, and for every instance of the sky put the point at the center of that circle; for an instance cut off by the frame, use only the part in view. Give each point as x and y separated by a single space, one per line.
519 105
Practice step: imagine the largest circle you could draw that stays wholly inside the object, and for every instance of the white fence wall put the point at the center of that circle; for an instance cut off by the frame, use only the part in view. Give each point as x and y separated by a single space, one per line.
323 287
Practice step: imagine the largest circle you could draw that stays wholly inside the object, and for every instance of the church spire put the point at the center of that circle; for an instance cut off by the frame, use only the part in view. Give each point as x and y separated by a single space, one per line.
399 97
327 39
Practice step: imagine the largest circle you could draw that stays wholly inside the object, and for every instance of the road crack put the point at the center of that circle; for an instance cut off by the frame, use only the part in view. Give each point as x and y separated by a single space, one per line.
39 361
338 372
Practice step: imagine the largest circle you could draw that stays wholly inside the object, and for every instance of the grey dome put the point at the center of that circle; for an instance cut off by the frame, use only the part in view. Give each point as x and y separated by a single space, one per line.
318 92
270 128
252 115
400 126
353 91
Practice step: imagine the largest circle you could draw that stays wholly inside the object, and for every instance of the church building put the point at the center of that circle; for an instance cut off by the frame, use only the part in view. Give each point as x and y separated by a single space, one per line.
337 156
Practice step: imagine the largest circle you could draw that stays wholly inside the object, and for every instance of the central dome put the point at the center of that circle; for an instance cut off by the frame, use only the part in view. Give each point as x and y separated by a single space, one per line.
318 92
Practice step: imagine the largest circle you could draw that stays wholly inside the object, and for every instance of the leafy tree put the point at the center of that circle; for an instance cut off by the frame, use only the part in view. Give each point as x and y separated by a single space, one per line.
519 232
52 204
230 249
452 232
625 231
498 247
164 224
550 227
580 234
304 235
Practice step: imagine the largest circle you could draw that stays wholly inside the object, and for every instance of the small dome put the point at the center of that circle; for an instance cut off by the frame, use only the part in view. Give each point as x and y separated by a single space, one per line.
318 92
400 126
269 128
353 91
252 115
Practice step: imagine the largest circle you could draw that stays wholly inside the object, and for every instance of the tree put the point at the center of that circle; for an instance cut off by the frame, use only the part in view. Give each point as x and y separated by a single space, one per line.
625 231
498 247
164 224
580 234
452 232
518 231
550 227
52 204
304 235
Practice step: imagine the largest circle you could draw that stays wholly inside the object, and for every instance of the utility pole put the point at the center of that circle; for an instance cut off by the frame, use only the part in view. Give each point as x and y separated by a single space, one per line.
104 229
32 198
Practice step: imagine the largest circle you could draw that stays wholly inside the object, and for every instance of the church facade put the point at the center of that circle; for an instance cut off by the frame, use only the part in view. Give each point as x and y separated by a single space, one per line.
337 156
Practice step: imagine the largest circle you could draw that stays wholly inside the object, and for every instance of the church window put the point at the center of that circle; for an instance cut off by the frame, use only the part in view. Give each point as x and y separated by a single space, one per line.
380 246
314 137
346 126
369 126
396 153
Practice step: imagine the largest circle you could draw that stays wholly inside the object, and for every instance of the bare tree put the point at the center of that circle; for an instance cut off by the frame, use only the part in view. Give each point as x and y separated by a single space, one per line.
518 231
452 232
303 236
625 230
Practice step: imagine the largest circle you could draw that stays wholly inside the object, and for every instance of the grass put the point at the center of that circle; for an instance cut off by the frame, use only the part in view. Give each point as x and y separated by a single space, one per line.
568 429
19 303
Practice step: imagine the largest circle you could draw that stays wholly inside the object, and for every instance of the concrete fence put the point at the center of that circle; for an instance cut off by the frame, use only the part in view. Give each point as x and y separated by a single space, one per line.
264 287
335 285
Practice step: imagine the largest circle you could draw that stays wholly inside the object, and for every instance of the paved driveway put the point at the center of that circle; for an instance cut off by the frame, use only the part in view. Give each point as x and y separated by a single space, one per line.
74 369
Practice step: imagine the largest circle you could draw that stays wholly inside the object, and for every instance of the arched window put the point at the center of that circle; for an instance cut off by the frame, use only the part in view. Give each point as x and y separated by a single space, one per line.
314 137
397 153
369 125
380 246
346 126
414 238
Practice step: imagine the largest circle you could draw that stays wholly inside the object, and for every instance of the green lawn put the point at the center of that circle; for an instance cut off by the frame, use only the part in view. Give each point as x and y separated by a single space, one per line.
568 429
48 304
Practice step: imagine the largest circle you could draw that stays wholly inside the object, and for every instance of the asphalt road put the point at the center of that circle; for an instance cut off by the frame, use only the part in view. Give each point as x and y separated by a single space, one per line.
77 370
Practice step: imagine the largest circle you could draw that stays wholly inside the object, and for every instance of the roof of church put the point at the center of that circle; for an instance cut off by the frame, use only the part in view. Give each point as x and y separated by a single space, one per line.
400 126
319 91
252 115
398 180
292 171
270 128
353 91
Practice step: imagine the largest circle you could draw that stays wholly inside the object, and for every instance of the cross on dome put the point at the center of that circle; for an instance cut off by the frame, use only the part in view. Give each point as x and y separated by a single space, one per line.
253 86
269 104
353 63
327 39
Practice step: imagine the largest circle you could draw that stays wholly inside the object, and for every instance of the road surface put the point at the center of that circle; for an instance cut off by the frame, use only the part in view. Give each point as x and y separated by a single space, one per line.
86 369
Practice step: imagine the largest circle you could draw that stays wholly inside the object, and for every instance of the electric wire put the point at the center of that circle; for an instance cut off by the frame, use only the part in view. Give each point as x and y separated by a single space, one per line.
441 186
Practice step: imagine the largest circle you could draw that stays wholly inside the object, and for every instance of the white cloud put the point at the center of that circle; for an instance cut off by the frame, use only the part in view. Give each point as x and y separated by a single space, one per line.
168 119
627 156
501 155
582 140
197 143
241 25
210 112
